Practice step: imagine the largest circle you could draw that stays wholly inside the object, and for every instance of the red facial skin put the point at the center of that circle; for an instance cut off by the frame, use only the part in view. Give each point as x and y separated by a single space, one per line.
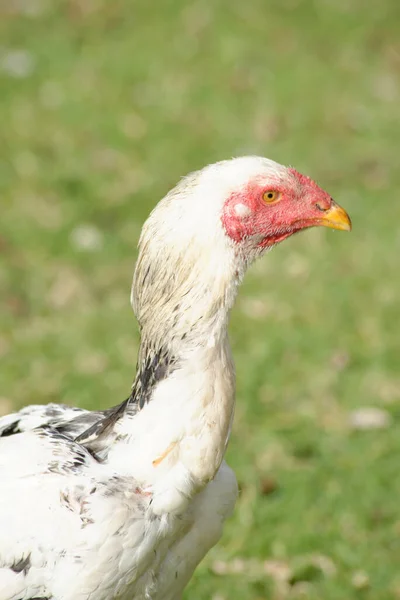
300 205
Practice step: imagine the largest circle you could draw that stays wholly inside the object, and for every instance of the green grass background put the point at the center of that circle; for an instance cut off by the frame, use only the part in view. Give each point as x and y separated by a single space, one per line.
104 104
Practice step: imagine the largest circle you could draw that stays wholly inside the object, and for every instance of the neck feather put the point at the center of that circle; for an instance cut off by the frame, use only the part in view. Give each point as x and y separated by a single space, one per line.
182 306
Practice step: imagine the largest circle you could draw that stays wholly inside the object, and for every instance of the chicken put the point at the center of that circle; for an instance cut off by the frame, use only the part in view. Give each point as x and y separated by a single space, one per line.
126 502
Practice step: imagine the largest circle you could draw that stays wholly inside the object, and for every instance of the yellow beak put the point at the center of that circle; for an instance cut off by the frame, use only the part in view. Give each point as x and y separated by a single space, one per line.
335 218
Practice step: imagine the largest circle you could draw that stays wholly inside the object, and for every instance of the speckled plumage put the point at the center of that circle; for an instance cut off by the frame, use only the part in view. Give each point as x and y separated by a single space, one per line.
124 503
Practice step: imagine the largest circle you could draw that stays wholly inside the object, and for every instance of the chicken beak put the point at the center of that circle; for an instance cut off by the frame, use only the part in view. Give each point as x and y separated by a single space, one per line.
335 217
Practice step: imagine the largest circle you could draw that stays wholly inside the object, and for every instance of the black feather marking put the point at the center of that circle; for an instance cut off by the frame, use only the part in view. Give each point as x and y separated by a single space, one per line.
75 499
146 274
32 417
68 456
154 368
80 423
103 426
22 566
11 429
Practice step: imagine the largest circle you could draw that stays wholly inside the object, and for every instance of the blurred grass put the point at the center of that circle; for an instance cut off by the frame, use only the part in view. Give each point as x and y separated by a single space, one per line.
103 106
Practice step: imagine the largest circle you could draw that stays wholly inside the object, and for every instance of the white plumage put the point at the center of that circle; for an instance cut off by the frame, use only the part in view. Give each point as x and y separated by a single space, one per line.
125 503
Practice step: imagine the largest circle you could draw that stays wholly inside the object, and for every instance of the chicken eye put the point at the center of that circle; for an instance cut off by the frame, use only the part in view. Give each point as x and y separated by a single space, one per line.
271 196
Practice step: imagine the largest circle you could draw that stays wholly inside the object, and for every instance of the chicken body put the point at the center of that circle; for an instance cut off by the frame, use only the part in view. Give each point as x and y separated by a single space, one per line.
125 503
